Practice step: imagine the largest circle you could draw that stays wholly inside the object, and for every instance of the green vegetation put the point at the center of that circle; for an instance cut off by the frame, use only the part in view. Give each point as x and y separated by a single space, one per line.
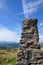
7 61
8 55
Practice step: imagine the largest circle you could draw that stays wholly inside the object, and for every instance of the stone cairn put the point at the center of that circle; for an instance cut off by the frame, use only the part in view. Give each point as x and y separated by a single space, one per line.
29 49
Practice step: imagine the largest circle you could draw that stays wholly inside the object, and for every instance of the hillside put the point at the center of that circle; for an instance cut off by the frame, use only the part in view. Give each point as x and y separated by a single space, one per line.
8 55
9 45
41 48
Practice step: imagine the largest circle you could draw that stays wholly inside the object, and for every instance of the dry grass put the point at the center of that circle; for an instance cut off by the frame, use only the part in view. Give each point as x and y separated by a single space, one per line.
8 55
42 48
9 51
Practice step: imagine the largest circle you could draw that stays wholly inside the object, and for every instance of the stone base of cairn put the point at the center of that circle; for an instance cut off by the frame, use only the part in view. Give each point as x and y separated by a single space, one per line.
29 49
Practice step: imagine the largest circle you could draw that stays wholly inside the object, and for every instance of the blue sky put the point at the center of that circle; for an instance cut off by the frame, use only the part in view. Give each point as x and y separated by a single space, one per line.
11 14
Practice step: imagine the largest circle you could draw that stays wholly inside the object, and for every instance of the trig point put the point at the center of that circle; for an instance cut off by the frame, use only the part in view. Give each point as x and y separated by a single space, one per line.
29 49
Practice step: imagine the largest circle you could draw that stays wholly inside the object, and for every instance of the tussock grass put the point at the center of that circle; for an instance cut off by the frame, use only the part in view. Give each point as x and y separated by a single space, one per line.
42 48
8 55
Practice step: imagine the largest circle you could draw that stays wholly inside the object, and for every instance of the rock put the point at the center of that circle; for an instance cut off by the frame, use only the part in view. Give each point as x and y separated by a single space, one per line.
29 50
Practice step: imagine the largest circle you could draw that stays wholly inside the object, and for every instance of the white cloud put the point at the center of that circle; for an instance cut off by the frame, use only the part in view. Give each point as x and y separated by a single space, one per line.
8 35
3 4
30 7
41 38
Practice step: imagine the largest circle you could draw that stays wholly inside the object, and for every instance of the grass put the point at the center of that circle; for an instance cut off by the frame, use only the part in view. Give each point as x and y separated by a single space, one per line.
9 61
42 48
8 56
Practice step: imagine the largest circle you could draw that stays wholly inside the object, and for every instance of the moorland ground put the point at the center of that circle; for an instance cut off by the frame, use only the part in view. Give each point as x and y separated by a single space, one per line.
8 55
42 48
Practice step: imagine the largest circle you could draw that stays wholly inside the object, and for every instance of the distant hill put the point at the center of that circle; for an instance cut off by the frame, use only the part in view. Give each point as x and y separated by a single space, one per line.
9 44
41 44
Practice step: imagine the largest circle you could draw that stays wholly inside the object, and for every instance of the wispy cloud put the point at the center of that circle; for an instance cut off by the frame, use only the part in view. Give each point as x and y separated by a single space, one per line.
3 4
40 32
30 7
8 35
40 27
41 24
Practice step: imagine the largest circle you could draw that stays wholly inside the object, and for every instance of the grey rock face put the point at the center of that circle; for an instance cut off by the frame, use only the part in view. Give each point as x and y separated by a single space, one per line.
29 50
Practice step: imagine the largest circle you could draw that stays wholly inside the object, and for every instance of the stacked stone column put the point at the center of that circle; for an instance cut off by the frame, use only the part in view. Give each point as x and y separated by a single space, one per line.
29 49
